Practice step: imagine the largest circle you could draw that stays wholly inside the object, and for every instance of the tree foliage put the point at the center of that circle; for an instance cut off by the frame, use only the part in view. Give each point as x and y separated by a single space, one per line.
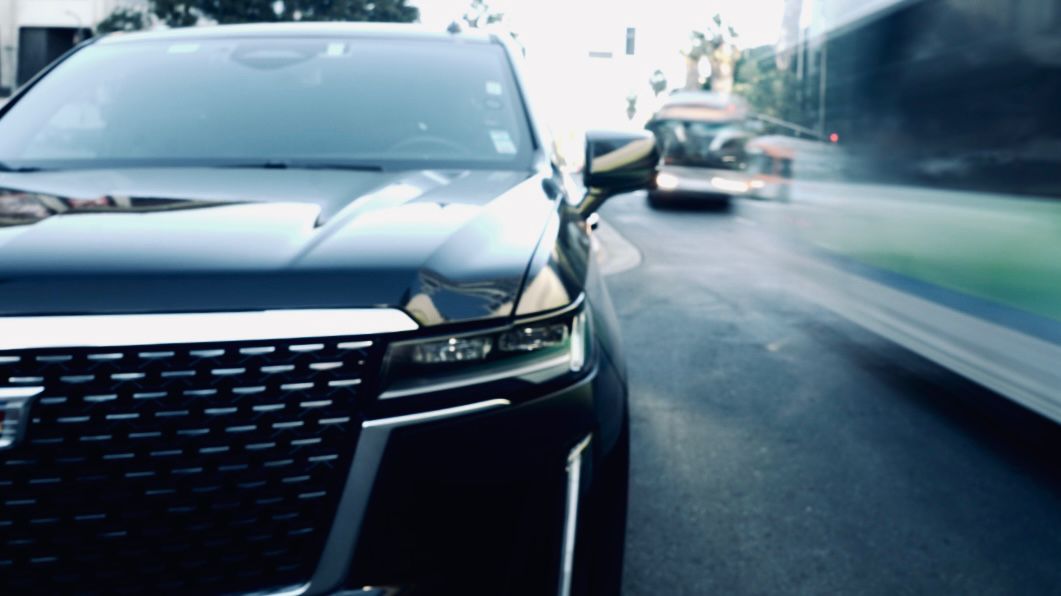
123 19
183 13
718 44
773 92
176 13
481 14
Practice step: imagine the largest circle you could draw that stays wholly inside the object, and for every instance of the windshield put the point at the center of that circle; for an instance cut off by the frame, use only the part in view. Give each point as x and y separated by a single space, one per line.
395 103
697 143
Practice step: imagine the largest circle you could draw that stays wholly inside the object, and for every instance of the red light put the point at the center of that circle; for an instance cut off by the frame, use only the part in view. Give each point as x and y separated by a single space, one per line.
834 138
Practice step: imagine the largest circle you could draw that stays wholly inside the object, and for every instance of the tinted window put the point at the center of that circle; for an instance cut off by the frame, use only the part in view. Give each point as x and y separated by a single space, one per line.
420 102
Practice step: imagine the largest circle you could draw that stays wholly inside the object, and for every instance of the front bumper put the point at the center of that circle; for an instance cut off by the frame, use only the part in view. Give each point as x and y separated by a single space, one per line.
126 457
470 501
700 182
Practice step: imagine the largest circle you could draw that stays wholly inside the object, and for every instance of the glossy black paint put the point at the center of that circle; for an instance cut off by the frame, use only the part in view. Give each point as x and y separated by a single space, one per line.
452 247
432 524
447 246
617 162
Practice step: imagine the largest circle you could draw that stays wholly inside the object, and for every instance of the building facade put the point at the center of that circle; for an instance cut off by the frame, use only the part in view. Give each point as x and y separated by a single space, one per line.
956 93
35 32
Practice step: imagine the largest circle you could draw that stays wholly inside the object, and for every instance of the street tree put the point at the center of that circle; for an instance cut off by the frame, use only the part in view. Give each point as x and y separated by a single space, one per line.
773 91
183 13
123 19
481 14
717 47
658 82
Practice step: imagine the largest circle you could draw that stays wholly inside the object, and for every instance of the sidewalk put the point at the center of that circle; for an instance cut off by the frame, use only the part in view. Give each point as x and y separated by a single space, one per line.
614 252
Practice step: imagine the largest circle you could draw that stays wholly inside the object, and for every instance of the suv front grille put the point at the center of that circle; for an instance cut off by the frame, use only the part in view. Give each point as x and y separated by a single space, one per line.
199 468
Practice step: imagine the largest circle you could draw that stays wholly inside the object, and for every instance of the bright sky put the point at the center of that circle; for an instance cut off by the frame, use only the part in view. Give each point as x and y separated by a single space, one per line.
591 92
757 21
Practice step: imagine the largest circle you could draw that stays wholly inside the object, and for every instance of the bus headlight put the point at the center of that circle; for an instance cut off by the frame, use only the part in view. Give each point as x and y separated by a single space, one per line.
665 181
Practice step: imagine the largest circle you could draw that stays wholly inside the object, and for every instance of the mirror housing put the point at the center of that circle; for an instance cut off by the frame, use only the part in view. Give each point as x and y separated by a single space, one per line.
617 162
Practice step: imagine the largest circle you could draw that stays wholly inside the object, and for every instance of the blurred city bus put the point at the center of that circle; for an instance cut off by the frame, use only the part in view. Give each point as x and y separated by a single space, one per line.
701 136
931 210
770 166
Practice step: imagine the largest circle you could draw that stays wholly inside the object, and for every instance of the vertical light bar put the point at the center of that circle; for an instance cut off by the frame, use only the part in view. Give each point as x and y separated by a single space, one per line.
574 483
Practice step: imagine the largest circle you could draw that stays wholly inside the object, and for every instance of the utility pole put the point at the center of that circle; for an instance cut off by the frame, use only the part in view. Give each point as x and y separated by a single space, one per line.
822 80
8 57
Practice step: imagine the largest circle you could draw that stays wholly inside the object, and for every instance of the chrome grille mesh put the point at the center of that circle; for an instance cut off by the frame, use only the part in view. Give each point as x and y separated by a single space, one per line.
205 468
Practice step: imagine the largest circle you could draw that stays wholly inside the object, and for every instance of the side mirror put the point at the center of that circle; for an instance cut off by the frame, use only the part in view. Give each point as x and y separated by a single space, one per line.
617 162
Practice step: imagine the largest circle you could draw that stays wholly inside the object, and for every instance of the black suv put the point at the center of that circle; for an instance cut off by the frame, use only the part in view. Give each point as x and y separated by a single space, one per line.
304 309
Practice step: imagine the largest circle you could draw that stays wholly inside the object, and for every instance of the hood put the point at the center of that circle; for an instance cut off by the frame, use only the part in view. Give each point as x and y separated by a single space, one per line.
446 246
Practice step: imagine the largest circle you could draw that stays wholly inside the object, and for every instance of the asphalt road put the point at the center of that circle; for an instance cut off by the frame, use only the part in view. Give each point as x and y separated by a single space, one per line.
779 449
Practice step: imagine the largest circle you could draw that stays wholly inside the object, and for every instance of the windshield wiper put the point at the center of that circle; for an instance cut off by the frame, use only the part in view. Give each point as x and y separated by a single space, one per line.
19 170
300 165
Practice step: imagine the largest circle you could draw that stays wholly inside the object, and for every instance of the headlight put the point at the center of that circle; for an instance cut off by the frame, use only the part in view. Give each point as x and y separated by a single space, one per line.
728 184
665 181
533 351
